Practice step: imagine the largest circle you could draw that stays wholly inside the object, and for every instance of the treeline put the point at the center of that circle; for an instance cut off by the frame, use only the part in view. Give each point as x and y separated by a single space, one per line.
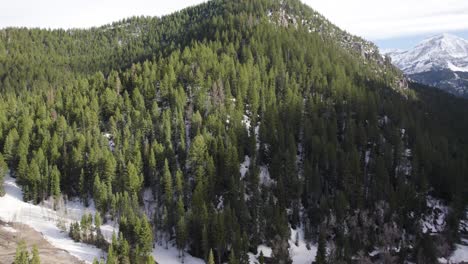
332 147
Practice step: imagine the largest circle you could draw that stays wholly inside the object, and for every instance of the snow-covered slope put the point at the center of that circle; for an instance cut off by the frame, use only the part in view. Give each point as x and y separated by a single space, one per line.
439 52
44 220
440 61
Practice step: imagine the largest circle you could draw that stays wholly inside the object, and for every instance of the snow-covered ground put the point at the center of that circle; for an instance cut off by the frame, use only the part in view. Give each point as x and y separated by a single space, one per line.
253 259
171 256
244 167
265 178
434 221
460 254
300 254
44 220
160 253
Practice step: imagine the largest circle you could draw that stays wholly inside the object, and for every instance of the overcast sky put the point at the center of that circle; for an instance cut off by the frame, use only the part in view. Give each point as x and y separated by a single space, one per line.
382 21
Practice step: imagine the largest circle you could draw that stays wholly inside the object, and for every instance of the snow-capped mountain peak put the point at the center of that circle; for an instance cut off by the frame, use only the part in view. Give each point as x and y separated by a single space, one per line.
444 51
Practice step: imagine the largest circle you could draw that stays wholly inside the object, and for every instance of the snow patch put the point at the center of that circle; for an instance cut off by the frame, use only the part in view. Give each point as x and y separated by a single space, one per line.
300 254
9 229
244 167
111 141
261 248
434 221
171 256
456 68
265 178
460 254
246 122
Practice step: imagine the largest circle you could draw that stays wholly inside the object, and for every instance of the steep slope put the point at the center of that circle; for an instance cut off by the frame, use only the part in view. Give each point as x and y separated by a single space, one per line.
247 125
440 61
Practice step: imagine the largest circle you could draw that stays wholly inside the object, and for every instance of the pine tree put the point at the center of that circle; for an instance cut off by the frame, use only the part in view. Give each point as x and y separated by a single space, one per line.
97 221
35 256
181 233
149 260
133 179
22 255
145 237
55 182
10 146
179 183
3 172
321 257
232 258
169 195
261 258
211 257
111 255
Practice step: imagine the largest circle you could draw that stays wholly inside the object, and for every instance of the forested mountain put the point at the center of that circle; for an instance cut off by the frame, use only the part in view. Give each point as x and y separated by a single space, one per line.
244 120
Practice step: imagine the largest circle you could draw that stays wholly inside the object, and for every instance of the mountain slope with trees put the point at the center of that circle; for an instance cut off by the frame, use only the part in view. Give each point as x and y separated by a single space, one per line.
329 139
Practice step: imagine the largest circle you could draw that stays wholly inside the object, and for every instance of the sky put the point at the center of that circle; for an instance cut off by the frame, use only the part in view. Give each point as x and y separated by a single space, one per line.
389 23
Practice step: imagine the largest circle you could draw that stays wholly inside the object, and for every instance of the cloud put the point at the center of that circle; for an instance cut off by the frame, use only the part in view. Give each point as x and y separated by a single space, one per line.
397 18
82 13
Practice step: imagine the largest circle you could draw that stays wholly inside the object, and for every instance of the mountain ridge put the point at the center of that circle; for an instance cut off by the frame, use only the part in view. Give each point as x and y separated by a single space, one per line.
440 61
444 51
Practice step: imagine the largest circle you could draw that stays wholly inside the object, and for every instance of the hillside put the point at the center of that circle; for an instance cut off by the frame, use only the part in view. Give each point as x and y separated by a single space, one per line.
230 128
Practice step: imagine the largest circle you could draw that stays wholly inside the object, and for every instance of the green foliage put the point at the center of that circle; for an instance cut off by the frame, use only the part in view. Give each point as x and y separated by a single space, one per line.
3 172
170 107
22 255
321 257
35 256
211 258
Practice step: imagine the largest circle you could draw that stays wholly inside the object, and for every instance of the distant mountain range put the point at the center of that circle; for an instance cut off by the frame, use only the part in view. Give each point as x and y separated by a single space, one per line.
440 61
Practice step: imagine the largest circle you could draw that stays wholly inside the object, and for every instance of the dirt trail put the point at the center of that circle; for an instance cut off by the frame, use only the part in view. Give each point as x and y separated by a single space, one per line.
12 234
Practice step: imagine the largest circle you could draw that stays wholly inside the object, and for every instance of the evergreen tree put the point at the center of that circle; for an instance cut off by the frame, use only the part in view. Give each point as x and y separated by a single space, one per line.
35 256
55 182
321 257
261 258
145 237
111 256
169 195
232 258
22 255
181 234
3 172
211 258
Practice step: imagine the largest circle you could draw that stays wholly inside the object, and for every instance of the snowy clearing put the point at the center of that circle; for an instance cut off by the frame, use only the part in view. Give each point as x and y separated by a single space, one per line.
300 254
44 220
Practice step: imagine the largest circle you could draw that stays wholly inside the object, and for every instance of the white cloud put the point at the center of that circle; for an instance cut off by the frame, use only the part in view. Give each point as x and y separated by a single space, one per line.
368 18
396 18
82 13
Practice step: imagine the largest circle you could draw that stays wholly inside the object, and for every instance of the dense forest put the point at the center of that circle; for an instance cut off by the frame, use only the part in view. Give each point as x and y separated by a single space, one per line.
244 119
